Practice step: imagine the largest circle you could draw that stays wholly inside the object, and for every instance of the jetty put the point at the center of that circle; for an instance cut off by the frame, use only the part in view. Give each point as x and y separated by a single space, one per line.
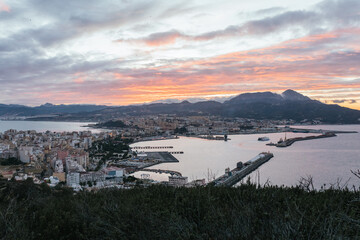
290 141
309 130
151 147
178 152
212 137
171 172
234 176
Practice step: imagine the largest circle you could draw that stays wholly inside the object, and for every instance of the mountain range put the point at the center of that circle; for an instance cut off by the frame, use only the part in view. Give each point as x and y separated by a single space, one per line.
46 109
260 105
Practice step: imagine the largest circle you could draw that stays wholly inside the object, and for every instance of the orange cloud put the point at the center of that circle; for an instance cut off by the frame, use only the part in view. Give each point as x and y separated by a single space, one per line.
322 66
4 7
158 39
302 64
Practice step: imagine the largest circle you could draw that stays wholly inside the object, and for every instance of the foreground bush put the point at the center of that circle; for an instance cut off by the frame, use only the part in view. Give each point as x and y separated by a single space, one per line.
29 211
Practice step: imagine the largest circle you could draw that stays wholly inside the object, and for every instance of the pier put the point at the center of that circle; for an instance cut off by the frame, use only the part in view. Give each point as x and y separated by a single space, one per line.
290 141
232 177
212 137
162 171
309 130
162 157
151 147
179 152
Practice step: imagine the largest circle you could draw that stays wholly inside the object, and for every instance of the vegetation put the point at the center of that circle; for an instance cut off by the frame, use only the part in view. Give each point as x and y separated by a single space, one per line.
112 124
10 161
108 147
111 145
29 211
181 130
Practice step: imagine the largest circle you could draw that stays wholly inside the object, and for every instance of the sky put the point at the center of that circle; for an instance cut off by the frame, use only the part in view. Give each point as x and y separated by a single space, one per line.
130 52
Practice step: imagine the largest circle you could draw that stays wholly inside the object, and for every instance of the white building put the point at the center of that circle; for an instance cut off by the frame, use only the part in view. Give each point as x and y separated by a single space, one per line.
72 166
92 177
113 172
25 154
73 179
177 180
59 167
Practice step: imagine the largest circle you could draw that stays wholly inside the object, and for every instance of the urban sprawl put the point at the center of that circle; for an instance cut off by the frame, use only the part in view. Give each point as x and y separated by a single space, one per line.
86 160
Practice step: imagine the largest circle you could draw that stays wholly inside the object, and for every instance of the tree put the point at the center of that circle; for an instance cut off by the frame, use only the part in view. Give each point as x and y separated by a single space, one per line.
181 130
89 183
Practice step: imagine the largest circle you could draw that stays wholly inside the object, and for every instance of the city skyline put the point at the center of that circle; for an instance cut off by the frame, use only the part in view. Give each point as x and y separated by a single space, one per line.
130 52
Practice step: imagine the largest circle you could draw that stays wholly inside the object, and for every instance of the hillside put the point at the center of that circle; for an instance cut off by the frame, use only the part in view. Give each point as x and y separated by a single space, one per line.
260 105
46 109
263 105
31 211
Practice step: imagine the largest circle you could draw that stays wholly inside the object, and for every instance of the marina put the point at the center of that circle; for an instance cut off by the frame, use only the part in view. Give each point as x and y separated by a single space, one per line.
208 159
146 159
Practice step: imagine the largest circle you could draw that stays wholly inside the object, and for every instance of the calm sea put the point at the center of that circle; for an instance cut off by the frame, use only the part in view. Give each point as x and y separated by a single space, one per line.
42 126
327 161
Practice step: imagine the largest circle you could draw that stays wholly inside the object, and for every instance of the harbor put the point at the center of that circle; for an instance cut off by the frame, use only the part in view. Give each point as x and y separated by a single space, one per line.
208 159
232 177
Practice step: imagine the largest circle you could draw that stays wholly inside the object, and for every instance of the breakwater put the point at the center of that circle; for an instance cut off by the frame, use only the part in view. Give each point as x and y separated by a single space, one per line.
290 141
232 177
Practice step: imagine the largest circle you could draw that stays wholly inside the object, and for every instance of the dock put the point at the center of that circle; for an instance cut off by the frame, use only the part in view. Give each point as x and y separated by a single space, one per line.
234 176
163 157
151 147
171 172
147 159
179 152
309 130
290 141
158 157
212 137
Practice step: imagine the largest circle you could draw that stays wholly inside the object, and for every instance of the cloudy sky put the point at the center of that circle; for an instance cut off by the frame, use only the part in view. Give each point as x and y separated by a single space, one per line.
124 52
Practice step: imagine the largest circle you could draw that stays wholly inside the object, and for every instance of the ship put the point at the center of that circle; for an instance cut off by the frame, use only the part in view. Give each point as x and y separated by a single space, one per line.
263 139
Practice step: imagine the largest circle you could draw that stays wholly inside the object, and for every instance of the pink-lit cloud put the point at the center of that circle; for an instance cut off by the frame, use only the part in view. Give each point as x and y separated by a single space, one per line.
140 52
4 7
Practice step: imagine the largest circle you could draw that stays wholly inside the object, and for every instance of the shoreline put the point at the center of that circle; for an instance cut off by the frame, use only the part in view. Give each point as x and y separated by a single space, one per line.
290 130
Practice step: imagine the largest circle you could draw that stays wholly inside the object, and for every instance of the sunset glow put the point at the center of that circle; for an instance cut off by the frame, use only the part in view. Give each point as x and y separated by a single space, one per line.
130 52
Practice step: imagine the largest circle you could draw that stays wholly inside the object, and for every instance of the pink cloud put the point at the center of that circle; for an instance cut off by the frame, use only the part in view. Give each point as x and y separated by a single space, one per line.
4 7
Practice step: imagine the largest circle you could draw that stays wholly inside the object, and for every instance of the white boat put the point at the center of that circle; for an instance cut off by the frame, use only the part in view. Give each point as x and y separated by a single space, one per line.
263 139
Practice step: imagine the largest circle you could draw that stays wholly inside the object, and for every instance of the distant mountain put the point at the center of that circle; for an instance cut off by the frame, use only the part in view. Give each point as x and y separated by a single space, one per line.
268 97
260 105
191 100
288 105
255 97
291 95
46 109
